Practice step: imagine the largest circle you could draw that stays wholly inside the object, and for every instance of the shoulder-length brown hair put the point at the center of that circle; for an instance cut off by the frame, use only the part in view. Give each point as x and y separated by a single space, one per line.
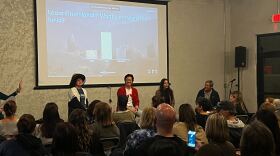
216 128
148 118
103 114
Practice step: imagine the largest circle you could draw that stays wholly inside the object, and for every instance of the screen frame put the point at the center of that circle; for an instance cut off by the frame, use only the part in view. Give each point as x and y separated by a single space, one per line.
40 87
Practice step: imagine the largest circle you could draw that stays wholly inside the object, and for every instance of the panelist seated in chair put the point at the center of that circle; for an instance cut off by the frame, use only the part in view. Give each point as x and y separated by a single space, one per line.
123 114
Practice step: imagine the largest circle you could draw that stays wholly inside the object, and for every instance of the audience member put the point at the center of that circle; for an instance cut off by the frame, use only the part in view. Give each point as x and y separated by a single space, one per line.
24 144
157 100
4 98
209 93
165 92
65 140
147 130
87 142
237 100
227 109
257 140
217 133
165 147
187 121
104 126
51 118
165 118
267 106
8 125
123 114
90 110
270 120
203 108
210 150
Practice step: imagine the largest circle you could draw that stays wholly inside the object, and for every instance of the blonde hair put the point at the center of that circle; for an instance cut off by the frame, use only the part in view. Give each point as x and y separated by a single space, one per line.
103 114
148 118
216 128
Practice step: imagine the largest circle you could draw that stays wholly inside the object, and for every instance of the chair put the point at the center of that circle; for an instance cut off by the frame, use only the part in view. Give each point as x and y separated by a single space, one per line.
109 144
243 118
126 128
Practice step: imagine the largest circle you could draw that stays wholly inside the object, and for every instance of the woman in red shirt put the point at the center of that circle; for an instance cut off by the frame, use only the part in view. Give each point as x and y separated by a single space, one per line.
131 92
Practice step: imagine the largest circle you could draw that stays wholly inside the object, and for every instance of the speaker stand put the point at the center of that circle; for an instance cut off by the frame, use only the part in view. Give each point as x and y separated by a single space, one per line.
238 79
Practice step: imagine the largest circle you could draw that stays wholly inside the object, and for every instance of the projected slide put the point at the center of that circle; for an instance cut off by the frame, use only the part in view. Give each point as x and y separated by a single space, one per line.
100 40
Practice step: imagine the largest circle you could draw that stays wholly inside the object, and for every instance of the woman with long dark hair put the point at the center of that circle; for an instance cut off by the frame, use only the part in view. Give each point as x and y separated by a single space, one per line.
77 95
166 92
51 118
87 142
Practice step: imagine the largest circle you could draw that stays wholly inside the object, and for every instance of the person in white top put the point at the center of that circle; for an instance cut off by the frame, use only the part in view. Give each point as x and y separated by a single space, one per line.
77 96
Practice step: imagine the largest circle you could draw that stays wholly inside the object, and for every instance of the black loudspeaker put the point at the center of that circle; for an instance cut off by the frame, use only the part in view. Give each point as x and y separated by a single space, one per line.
240 57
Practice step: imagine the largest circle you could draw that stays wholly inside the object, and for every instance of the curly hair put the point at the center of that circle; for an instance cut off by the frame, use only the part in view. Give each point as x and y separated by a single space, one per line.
79 121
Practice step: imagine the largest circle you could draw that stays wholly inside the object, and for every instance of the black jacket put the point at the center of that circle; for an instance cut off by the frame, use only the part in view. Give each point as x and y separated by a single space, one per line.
214 97
23 145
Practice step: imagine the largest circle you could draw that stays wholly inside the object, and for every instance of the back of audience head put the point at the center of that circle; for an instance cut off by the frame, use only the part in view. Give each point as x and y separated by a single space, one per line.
103 114
50 119
209 150
204 104
276 103
216 129
267 106
236 97
257 140
165 117
79 121
269 99
65 139
226 108
270 120
91 107
157 100
148 118
165 147
10 108
26 124
187 115
122 102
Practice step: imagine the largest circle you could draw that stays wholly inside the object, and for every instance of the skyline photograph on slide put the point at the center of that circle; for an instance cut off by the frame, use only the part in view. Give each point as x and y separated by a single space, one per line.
102 41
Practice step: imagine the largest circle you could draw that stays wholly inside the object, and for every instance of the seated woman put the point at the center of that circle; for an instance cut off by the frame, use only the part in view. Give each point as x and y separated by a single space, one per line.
187 122
51 118
217 132
203 108
237 100
90 110
87 142
65 140
131 92
147 125
166 92
8 125
123 115
104 126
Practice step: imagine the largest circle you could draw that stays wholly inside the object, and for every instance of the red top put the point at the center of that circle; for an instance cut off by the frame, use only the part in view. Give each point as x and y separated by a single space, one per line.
134 96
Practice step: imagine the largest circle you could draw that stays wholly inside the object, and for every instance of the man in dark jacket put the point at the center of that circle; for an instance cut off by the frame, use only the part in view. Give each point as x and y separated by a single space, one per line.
209 93
25 144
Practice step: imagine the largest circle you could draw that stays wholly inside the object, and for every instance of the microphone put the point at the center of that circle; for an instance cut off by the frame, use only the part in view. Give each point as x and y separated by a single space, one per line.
232 80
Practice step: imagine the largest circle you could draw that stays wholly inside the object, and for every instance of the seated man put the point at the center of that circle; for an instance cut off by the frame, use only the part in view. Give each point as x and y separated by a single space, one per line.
165 118
209 93
202 110
25 143
227 109
123 114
